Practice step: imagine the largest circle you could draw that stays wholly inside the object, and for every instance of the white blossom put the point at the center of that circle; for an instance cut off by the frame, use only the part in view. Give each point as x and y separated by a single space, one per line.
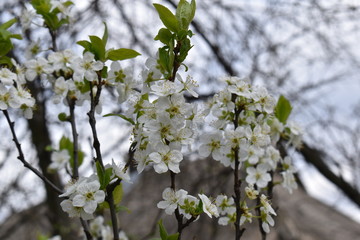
258 175
88 196
171 200
208 207
166 159
59 159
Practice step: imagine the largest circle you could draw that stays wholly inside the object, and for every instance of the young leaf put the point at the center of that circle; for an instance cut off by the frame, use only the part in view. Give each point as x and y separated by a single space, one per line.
118 194
85 44
183 14
100 173
121 54
164 36
106 35
283 109
120 115
163 233
167 17
8 24
173 236
97 48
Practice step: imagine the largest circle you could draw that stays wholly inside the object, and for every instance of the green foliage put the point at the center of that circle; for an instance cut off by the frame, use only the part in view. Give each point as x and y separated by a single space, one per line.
185 13
165 36
167 18
176 36
164 235
118 194
5 41
104 175
121 116
97 46
283 109
51 19
66 144
121 54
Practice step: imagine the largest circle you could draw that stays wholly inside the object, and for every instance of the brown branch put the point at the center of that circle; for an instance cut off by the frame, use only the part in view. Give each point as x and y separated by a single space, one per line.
21 156
317 159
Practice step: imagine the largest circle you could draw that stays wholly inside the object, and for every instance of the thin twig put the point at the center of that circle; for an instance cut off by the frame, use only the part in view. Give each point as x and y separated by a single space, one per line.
75 174
86 229
21 156
94 101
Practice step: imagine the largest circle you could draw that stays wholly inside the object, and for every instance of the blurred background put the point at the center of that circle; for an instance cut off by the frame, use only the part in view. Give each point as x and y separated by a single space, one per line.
306 50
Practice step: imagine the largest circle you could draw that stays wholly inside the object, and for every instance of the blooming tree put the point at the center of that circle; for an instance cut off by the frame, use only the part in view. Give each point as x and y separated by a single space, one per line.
244 125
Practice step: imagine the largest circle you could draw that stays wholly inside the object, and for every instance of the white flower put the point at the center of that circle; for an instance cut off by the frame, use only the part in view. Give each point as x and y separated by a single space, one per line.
175 105
142 159
240 88
266 205
289 181
171 200
122 236
165 88
211 144
67 206
88 196
59 159
209 208
57 237
26 18
258 175
189 84
36 67
224 203
60 60
20 96
96 226
120 171
266 220
251 193
7 77
166 159
4 97
86 67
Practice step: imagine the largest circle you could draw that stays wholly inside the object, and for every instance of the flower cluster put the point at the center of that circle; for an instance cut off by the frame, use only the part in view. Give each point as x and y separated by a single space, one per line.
187 205
83 197
246 131
13 93
165 122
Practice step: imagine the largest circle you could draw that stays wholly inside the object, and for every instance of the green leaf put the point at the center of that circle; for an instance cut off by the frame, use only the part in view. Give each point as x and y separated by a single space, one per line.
183 14
106 35
184 50
165 61
97 48
100 173
8 24
66 143
121 54
85 44
4 60
173 236
121 116
17 36
118 194
167 17
163 233
107 177
283 109
164 36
